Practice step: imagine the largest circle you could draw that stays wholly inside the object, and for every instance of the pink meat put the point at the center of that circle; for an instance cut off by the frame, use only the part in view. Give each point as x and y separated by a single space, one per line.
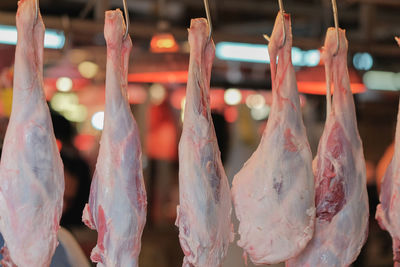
273 193
204 213
117 202
340 183
31 171
387 212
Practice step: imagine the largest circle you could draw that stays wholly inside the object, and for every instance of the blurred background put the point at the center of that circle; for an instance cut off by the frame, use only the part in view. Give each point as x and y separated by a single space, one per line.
74 78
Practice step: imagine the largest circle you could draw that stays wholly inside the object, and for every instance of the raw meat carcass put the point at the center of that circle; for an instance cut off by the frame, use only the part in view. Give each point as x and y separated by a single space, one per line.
341 198
273 193
31 171
388 211
117 201
204 211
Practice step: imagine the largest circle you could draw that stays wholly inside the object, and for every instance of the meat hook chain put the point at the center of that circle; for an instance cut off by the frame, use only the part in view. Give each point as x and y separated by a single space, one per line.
335 17
206 6
282 11
126 11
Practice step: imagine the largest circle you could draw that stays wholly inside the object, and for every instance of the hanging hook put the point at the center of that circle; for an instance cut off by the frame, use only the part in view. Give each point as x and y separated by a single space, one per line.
282 11
37 10
126 18
206 6
335 17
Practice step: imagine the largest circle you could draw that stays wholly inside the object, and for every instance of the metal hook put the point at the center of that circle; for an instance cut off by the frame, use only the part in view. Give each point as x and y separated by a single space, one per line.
208 18
282 11
335 17
37 10
126 18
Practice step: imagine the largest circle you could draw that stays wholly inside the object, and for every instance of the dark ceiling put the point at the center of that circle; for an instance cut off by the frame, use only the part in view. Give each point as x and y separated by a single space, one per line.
370 24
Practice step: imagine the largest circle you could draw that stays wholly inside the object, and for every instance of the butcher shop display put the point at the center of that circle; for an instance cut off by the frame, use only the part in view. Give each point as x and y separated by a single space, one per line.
340 177
31 171
67 99
273 193
117 202
388 211
204 211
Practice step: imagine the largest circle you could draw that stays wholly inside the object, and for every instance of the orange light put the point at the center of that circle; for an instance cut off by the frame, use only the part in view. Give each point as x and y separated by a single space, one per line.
163 43
230 114
84 142
136 94
319 88
59 144
159 77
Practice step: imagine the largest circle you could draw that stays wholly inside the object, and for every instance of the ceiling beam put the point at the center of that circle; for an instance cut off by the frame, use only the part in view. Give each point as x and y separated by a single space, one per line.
378 2
87 29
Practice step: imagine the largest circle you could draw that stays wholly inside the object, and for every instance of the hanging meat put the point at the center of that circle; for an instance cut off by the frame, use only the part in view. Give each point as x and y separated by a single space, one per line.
273 193
204 213
31 171
117 201
387 212
340 181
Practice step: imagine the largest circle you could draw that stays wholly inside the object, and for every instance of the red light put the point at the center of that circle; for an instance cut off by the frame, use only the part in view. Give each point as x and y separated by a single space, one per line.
136 94
230 114
312 81
163 43
159 77
59 144
319 88
84 142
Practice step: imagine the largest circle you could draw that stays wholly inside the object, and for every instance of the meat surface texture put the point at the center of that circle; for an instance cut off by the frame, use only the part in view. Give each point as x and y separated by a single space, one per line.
117 201
31 171
341 199
273 193
204 211
388 211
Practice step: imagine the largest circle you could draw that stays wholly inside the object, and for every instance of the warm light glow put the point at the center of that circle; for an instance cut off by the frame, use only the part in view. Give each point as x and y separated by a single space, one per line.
52 38
183 104
157 93
159 77
98 120
67 104
63 101
88 69
77 113
136 94
260 113
255 101
64 84
319 88
84 142
232 96
230 114
163 43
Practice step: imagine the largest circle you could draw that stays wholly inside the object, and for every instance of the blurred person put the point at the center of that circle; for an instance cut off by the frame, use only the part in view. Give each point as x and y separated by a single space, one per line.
77 187
68 253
